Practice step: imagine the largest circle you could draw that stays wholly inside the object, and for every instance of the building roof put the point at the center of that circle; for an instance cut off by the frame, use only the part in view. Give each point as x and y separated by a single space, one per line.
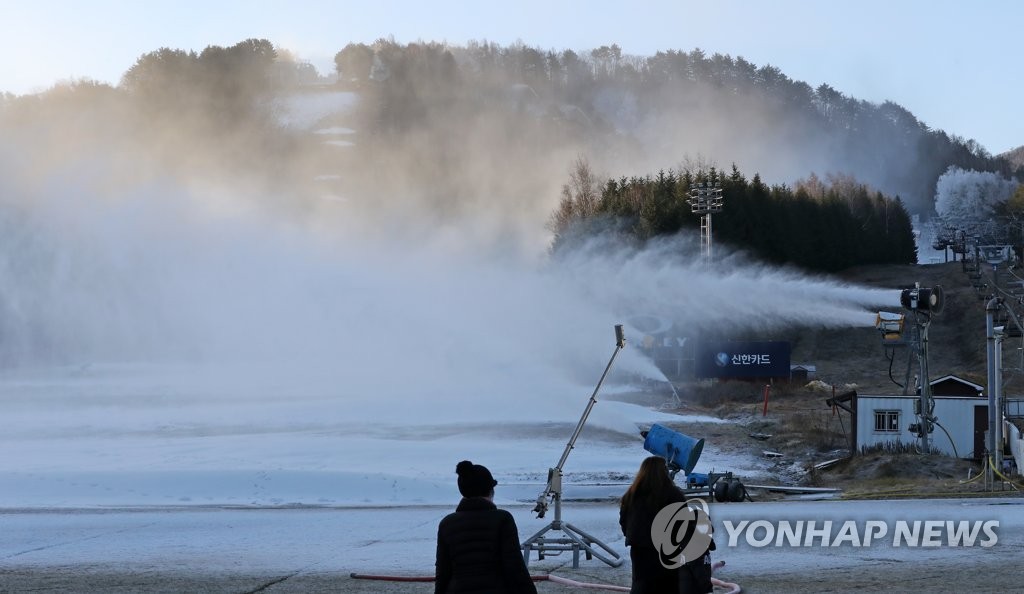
953 378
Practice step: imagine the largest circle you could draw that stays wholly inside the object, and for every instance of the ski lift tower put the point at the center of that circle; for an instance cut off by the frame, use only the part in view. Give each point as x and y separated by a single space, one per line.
706 199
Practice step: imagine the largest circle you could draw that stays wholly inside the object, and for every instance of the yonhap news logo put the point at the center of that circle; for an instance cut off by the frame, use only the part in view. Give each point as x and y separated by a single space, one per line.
682 532
900 533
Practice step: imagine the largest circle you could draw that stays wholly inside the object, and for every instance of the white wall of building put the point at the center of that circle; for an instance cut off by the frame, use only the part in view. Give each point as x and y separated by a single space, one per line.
956 414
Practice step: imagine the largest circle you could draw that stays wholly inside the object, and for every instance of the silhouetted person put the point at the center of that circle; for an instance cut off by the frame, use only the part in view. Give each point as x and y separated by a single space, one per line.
478 545
652 490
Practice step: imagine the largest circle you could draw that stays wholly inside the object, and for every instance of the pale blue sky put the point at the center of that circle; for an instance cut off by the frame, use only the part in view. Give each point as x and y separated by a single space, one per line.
956 65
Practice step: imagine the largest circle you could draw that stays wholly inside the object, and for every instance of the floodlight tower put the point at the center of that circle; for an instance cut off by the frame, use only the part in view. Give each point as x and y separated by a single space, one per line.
705 199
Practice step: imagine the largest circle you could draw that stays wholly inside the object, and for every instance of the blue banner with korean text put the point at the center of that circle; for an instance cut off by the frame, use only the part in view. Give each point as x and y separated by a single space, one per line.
766 359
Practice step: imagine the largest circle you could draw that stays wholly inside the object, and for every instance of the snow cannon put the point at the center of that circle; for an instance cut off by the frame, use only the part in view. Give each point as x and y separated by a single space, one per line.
923 299
679 450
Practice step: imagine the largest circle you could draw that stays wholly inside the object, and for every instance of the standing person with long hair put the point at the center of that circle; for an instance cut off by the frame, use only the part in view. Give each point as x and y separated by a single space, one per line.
478 545
651 491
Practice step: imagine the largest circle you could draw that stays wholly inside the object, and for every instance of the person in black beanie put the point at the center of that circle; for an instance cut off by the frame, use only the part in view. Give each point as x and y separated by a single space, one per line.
478 545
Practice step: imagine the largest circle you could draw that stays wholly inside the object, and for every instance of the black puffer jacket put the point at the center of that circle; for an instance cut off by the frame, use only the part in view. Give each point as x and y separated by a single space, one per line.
636 520
478 551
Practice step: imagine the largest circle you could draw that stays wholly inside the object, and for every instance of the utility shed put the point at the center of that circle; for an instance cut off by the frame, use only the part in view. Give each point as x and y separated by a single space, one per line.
802 373
880 420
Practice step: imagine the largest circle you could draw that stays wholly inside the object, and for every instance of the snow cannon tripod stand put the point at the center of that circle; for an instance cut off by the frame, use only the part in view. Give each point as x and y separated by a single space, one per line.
572 539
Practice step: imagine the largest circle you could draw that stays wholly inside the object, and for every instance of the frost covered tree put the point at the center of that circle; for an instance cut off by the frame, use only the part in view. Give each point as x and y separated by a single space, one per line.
966 197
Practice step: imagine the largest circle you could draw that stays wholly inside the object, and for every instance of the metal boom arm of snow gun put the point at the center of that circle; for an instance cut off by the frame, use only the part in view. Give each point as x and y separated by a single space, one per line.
553 490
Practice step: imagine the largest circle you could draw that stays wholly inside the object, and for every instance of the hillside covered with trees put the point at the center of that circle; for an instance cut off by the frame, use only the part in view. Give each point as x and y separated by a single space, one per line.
445 135
1015 157
673 104
824 227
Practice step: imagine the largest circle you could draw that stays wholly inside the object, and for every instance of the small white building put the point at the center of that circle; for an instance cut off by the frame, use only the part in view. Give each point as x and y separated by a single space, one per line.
886 419
961 430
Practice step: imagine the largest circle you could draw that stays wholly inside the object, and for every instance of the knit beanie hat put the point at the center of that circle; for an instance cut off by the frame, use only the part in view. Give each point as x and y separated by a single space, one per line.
474 480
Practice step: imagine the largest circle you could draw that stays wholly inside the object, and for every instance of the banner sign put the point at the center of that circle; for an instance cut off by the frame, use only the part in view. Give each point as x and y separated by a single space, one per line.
742 360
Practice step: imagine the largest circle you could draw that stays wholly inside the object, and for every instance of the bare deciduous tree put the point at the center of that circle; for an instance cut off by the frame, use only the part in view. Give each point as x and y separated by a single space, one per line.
580 197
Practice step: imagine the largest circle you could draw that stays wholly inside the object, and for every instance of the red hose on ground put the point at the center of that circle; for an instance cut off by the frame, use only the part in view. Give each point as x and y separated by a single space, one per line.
730 588
414 578
575 584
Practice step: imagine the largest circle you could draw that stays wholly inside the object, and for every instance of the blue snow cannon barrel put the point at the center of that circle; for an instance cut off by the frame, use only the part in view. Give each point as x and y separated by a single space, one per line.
677 449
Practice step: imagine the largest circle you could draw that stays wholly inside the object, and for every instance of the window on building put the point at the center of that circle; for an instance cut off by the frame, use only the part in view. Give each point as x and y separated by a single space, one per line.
887 421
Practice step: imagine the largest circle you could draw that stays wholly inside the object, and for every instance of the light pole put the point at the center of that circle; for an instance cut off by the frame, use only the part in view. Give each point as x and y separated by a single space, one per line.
706 199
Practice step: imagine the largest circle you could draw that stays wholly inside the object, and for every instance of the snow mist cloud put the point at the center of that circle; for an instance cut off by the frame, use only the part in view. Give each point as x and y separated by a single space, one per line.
417 332
420 320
